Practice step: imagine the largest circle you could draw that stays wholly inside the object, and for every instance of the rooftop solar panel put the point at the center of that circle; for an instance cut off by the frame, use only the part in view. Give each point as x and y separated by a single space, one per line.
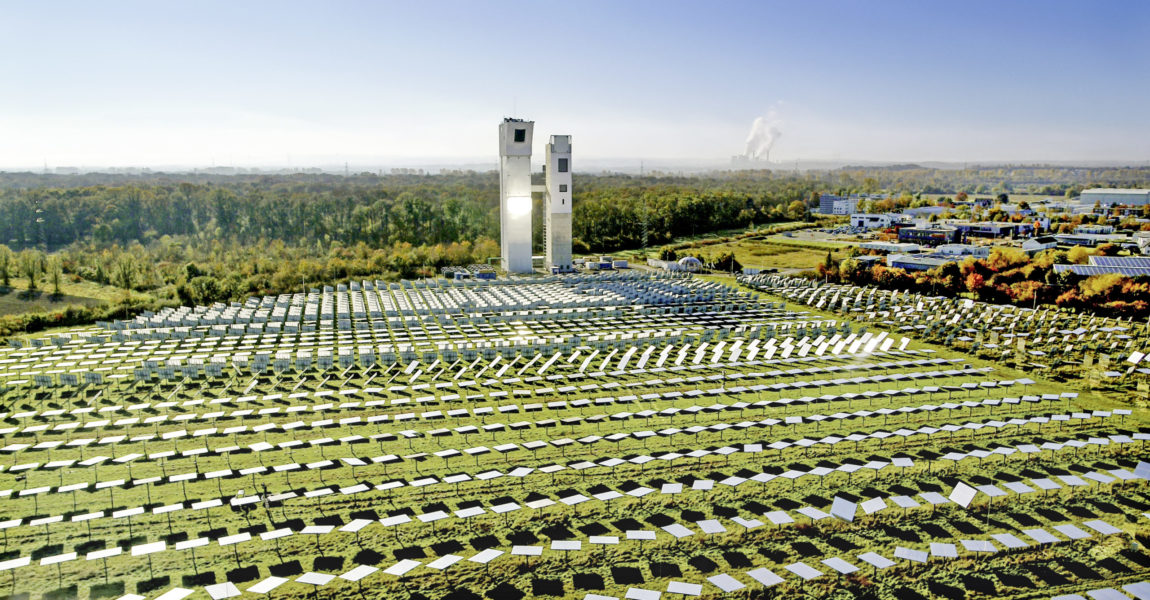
1121 261
1091 270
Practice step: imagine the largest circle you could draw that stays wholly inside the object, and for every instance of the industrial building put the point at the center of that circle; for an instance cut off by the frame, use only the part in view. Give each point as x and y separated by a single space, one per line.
963 250
929 236
830 204
1130 266
1038 244
874 220
1091 239
868 261
827 203
988 229
1110 197
939 256
916 262
891 247
925 212
515 206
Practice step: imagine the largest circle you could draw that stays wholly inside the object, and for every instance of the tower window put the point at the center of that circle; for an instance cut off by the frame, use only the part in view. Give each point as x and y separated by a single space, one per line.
563 165
521 135
562 202
562 187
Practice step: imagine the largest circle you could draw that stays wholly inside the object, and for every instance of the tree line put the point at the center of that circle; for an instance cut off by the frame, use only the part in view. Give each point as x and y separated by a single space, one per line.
200 238
380 212
611 211
1008 276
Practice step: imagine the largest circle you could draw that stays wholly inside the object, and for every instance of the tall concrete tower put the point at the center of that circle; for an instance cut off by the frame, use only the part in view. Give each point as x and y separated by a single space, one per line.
557 231
515 194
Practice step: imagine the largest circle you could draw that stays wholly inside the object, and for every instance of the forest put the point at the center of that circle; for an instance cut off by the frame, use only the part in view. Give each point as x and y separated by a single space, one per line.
199 239
259 235
610 212
196 238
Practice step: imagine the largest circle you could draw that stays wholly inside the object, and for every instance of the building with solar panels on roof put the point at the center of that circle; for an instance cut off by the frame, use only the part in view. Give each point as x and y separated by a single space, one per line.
1130 266
1091 239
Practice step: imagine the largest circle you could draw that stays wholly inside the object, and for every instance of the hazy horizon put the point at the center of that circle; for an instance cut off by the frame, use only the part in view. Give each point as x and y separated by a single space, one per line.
592 166
296 85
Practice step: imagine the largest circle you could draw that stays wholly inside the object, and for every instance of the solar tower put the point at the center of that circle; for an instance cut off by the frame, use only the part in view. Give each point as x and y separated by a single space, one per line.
557 231
515 194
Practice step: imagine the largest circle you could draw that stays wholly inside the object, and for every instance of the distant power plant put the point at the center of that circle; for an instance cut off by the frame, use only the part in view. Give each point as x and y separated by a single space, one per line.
515 205
762 137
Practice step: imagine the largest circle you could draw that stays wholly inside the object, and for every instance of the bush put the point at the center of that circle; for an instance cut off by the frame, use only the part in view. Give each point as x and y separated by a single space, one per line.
73 315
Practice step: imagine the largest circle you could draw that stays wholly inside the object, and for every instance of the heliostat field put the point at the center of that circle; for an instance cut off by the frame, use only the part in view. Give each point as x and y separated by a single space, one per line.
586 436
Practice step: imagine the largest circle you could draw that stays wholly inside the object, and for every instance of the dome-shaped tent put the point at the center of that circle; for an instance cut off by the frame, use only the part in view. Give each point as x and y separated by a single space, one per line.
690 263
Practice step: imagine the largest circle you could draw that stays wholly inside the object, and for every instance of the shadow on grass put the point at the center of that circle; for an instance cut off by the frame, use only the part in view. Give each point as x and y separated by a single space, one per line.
453 546
546 587
410 552
908 594
942 590
587 581
328 563
66 593
287 569
1015 581
48 550
367 557
113 589
484 542
150 585
665 569
243 574
505 591
198 580
980 585
626 575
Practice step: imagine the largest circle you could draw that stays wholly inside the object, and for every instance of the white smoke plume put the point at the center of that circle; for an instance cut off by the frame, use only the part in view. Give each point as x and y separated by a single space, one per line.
764 133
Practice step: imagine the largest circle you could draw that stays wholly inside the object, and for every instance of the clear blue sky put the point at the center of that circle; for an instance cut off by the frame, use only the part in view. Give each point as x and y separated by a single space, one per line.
289 83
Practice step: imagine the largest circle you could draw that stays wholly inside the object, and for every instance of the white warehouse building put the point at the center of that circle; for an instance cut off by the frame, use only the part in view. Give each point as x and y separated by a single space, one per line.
1109 197
872 220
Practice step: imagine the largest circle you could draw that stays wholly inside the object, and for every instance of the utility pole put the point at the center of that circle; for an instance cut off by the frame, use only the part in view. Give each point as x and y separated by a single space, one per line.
644 232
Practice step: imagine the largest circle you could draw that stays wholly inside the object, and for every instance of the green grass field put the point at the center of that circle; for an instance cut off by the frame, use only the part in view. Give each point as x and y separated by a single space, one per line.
15 302
779 252
16 299
704 239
